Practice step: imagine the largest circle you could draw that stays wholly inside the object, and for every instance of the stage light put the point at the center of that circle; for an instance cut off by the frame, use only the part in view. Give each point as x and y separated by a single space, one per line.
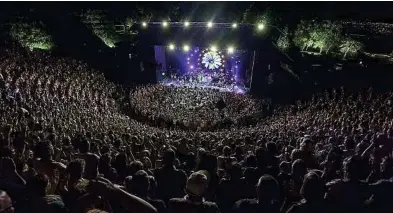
164 24
171 46
234 25
261 26
186 24
186 48
210 24
191 67
144 24
231 50
213 48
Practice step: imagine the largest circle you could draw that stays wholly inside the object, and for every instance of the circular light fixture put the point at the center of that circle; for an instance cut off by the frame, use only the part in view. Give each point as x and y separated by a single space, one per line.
261 26
234 25
144 24
210 24
186 24
231 50
171 46
164 24
186 48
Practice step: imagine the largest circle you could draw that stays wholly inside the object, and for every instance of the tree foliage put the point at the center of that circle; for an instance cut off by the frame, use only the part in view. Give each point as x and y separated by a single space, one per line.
283 41
147 11
350 47
32 35
101 26
324 36
302 35
254 15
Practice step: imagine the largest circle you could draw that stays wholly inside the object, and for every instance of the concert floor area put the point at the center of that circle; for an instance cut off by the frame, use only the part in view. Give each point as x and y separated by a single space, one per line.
177 83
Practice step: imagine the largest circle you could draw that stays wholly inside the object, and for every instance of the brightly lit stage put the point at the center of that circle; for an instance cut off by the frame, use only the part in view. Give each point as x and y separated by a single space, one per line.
198 67
225 56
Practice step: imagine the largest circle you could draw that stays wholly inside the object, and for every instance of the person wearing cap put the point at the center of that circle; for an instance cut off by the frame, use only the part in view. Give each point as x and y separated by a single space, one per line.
266 201
194 201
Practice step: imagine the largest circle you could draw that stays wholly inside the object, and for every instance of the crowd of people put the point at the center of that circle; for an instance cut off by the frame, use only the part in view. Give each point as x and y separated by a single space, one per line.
201 77
68 146
197 109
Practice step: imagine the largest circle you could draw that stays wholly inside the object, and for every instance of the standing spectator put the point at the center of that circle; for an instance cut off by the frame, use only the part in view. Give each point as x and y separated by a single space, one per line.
91 160
6 205
194 201
312 192
267 200
170 181
138 185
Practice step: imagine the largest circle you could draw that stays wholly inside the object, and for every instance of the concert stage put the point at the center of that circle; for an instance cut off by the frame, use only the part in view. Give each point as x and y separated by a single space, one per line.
203 67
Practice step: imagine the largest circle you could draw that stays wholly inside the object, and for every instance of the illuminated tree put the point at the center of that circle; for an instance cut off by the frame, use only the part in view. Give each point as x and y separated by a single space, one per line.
351 47
31 35
283 41
146 11
252 14
333 35
267 17
101 26
302 35
318 35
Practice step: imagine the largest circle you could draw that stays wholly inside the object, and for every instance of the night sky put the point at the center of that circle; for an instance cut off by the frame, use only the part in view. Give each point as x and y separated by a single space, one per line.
375 11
